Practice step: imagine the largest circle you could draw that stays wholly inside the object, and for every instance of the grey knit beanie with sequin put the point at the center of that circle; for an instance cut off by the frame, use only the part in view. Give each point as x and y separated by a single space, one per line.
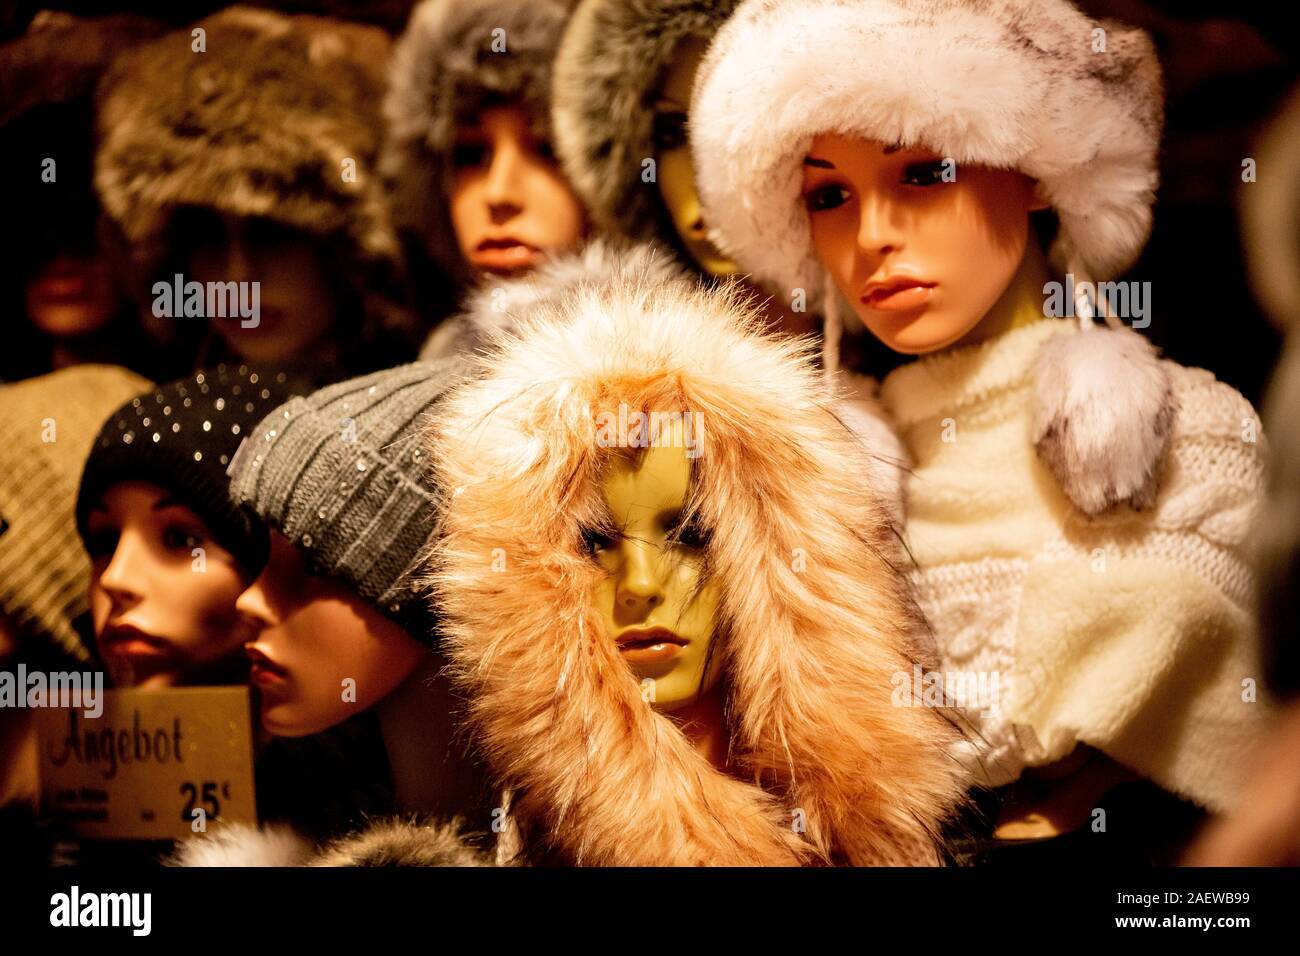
342 474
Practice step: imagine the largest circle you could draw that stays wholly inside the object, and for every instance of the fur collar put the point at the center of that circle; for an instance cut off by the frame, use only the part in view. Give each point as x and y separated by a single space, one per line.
815 614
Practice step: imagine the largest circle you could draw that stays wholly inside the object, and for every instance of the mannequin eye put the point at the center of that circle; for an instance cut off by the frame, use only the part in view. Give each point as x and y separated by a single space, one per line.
544 150
594 541
826 197
102 543
691 534
669 131
924 174
468 155
178 538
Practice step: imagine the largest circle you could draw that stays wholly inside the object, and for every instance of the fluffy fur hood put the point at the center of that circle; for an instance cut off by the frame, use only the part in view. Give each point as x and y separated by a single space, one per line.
613 53
446 66
258 125
1017 84
814 616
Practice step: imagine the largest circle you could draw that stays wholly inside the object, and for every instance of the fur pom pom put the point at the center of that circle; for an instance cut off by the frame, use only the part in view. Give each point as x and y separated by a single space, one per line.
1103 409
242 845
403 843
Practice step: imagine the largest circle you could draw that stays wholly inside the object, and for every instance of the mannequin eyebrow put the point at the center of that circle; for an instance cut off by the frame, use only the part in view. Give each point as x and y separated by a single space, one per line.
819 163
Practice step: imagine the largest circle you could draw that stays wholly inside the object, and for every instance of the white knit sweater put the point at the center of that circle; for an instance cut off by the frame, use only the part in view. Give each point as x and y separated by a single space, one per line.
1133 633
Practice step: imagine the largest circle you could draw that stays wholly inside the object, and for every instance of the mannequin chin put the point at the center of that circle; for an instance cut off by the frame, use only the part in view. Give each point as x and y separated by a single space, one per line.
674 173
511 206
158 623
923 251
323 654
655 601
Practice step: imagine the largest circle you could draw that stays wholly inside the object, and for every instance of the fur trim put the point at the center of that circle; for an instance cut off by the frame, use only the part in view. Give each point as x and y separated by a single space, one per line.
1102 415
598 775
497 305
1010 83
444 69
258 125
403 843
242 845
613 54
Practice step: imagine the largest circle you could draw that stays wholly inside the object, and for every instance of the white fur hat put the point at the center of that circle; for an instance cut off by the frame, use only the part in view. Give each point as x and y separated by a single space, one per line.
1031 85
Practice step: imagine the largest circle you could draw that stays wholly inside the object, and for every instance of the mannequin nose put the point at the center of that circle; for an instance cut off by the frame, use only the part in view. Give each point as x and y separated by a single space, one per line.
123 579
254 605
876 233
240 265
640 589
501 189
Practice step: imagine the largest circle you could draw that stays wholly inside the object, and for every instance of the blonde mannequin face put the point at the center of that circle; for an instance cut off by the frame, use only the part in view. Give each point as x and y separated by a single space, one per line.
674 173
315 635
921 259
656 601
511 206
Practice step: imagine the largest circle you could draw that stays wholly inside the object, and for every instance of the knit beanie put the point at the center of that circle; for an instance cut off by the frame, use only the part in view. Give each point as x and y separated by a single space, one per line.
1031 85
47 425
342 474
182 436
455 58
612 55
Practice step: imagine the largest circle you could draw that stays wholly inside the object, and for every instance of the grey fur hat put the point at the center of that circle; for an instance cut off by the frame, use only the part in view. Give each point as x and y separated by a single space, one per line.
260 123
454 58
608 64
342 474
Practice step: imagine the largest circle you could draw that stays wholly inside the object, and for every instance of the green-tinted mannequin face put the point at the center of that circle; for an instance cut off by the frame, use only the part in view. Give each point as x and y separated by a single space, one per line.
655 601
675 174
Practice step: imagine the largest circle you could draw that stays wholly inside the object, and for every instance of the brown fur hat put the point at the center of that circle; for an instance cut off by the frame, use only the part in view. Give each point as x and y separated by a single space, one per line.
611 58
259 124
815 619
455 57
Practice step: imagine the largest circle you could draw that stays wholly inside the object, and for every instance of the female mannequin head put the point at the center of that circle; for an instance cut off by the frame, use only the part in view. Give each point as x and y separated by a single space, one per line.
323 654
169 553
657 602
510 204
675 173
921 250
157 622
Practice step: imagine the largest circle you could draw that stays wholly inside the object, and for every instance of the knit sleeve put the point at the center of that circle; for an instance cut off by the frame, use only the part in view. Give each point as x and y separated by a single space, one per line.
1137 634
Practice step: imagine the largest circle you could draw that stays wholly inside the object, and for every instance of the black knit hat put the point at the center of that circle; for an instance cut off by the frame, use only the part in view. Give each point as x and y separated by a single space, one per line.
182 436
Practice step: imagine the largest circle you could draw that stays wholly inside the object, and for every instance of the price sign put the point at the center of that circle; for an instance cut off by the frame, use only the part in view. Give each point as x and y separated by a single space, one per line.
158 764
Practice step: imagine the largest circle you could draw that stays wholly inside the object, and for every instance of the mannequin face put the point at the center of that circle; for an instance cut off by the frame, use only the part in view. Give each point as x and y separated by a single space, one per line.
511 206
655 600
160 622
315 634
71 295
296 296
922 260
674 173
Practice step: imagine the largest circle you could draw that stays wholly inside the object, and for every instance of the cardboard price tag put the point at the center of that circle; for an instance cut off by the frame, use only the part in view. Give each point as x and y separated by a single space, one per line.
155 765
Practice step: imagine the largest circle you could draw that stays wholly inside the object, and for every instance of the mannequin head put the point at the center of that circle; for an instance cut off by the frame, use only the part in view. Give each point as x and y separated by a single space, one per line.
315 635
159 621
675 173
657 601
511 206
72 294
296 296
921 259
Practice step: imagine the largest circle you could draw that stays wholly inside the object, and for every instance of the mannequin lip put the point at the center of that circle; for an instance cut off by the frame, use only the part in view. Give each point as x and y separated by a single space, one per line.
264 670
896 292
124 640
505 254
650 645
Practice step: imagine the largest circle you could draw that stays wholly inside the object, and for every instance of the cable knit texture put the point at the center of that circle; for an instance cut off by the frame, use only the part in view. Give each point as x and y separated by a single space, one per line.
1132 633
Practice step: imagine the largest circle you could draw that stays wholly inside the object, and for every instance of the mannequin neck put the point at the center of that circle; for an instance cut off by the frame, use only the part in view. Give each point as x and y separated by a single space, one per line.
409 721
704 722
1020 304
